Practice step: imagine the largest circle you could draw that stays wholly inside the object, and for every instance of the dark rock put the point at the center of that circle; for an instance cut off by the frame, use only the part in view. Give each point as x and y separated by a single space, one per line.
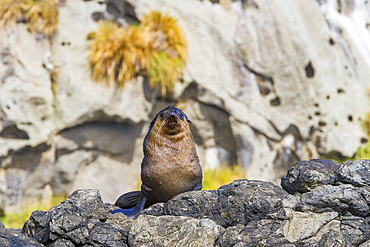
198 204
244 201
37 226
149 230
355 229
82 219
333 239
355 172
331 207
15 238
343 198
306 175
265 232
240 202
62 242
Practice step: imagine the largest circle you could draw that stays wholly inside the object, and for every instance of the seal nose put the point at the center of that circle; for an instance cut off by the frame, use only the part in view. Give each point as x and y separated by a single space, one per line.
172 116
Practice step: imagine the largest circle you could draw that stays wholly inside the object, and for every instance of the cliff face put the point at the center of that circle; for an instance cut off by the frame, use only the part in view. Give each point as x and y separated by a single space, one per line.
267 83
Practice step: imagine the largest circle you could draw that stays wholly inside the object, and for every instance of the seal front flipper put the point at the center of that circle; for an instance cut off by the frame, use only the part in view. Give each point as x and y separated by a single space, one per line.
142 202
129 212
198 187
128 200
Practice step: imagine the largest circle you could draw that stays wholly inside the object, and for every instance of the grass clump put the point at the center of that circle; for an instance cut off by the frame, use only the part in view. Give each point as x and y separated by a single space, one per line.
118 54
11 11
41 16
163 71
166 34
214 178
155 48
17 219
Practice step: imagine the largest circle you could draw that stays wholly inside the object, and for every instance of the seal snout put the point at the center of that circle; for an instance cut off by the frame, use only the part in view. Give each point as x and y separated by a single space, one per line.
172 120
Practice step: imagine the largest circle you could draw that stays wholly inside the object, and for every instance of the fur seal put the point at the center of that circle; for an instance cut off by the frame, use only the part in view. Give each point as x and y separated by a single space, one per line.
170 165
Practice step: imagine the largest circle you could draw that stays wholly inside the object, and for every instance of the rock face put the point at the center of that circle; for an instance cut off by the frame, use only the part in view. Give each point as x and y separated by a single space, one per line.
243 213
267 83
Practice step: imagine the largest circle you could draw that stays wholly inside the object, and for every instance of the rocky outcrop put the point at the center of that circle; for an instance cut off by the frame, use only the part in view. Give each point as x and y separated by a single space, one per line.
267 83
329 212
16 238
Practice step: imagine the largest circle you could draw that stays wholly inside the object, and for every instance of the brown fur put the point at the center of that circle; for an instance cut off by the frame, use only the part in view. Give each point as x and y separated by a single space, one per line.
170 165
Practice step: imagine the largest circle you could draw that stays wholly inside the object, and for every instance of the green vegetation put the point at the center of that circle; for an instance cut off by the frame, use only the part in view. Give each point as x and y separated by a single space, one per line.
17 219
222 175
40 15
363 152
163 71
156 48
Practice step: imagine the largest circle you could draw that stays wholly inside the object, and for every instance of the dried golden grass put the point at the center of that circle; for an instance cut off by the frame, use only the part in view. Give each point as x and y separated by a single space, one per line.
167 35
156 48
11 11
118 54
41 15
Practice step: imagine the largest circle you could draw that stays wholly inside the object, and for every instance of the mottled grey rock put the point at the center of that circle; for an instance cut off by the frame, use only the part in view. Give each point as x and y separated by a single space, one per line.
355 172
240 202
242 213
62 242
328 235
15 238
365 244
37 226
355 229
244 201
149 230
82 219
343 198
265 232
306 175
302 226
198 204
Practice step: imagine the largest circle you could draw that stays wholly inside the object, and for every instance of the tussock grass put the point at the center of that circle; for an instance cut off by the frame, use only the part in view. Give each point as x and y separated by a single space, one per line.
156 48
41 15
166 34
11 11
119 54
163 71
